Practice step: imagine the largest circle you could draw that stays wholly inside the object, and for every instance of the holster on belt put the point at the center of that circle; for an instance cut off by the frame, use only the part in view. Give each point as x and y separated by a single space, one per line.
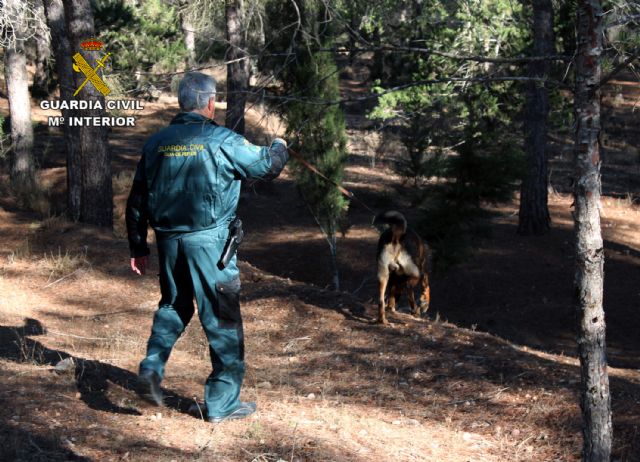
233 241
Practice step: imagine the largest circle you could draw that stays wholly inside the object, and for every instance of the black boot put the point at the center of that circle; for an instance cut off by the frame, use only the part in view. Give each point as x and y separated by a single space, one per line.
242 411
148 387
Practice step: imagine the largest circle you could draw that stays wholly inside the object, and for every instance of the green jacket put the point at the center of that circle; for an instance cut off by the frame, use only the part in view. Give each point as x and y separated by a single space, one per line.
188 178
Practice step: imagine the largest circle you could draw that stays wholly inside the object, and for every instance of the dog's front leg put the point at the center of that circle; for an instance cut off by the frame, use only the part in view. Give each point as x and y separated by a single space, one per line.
382 282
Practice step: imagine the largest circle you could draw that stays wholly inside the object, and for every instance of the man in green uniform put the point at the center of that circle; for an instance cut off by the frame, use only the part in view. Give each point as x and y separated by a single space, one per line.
187 186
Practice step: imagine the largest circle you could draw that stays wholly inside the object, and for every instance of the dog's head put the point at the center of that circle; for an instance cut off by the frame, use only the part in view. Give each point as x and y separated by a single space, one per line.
391 219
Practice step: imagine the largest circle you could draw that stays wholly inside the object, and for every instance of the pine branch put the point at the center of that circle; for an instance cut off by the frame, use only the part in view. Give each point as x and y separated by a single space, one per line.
631 58
444 54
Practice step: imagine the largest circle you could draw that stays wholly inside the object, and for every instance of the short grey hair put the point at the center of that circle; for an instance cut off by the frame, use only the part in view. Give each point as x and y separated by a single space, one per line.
195 90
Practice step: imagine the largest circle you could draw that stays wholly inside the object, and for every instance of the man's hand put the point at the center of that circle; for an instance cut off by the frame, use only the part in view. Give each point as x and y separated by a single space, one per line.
279 140
279 157
139 264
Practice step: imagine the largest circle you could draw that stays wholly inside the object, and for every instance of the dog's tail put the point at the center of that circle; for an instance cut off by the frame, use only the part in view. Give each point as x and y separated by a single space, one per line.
395 220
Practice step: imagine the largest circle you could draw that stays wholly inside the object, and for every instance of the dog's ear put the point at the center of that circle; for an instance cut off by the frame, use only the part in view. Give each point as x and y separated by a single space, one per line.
379 223
381 219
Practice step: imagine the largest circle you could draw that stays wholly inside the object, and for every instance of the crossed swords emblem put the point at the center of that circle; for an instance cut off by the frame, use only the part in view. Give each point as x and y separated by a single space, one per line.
91 73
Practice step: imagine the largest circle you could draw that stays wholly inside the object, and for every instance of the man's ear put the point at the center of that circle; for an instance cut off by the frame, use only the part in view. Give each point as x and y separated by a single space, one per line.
212 106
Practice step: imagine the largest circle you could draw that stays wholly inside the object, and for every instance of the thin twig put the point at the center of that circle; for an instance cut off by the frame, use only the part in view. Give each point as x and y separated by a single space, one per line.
32 443
492 395
364 281
293 448
49 331
62 278
195 400
292 343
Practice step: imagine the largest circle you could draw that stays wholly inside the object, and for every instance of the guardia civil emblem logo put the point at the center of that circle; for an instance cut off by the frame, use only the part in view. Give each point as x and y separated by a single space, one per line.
91 73
97 118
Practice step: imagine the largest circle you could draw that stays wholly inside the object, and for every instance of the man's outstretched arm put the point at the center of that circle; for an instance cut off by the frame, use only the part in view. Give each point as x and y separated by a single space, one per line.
252 161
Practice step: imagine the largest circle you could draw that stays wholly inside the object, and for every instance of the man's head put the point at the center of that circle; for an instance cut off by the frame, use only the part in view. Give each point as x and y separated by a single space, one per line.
197 93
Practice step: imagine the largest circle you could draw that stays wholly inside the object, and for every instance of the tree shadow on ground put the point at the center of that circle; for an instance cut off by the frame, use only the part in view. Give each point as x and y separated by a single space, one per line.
22 445
17 443
429 371
522 289
92 377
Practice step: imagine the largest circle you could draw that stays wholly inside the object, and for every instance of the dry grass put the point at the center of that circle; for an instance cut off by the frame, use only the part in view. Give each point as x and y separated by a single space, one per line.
21 252
59 263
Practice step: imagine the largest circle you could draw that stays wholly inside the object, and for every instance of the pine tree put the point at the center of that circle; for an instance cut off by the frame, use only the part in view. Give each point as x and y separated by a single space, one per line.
534 216
96 192
461 152
320 131
595 398
238 68
54 10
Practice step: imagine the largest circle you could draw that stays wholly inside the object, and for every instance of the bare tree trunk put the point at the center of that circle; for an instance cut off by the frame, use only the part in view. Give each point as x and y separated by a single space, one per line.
534 212
189 36
62 52
595 399
43 55
333 250
96 199
377 70
238 69
22 169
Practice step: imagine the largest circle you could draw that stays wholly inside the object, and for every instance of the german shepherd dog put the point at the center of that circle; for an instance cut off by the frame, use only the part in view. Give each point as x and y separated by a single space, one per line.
402 264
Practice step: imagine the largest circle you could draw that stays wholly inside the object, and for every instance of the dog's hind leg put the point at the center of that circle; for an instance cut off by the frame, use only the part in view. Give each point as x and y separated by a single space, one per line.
425 294
395 290
411 284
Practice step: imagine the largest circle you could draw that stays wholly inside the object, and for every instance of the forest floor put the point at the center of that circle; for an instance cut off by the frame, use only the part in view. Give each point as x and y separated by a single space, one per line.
490 375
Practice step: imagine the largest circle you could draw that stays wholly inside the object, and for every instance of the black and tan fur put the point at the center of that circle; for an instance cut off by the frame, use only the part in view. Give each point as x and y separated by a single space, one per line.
402 264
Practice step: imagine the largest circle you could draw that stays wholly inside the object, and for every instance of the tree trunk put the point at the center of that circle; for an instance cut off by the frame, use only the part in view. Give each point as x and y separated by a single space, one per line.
377 69
238 70
62 52
189 37
333 254
22 170
595 400
43 55
354 23
96 197
534 212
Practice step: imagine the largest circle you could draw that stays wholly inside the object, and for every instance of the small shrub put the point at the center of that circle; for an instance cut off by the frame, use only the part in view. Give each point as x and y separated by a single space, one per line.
59 264
22 252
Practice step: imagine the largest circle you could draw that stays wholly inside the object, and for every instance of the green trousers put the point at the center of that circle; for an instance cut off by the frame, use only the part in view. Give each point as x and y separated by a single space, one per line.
188 269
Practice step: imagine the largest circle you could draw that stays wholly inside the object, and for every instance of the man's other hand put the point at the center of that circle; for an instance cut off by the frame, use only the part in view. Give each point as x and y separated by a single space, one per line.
139 264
